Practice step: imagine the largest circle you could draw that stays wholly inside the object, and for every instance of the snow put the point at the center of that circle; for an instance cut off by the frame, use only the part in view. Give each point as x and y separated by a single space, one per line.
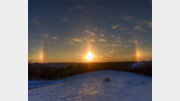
40 83
140 64
123 86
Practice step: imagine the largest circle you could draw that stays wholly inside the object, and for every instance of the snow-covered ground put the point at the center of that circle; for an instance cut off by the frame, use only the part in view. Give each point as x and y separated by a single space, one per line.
123 86
40 83
140 64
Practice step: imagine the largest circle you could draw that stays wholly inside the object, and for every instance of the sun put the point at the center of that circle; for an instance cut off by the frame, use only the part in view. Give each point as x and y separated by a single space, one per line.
89 56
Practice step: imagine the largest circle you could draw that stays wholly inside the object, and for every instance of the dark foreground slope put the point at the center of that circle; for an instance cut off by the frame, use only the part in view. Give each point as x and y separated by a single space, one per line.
50 72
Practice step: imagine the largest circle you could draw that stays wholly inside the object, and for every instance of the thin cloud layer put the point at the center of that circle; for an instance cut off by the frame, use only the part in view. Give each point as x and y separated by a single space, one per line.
127 18
138 27
102 40
115 26
76 40
90 33
65 19
54 37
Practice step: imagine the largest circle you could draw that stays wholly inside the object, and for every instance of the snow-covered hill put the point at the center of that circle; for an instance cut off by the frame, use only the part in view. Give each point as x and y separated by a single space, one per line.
123 86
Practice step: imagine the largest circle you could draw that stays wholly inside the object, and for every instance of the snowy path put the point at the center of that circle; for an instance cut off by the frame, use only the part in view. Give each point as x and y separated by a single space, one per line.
122 86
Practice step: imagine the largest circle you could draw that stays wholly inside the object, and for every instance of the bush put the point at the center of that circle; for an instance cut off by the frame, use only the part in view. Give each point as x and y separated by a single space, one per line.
106 79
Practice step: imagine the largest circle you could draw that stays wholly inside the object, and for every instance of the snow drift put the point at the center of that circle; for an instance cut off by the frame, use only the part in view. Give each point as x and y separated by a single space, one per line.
93 86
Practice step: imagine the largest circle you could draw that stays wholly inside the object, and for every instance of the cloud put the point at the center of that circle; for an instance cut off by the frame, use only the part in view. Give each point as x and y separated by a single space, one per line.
71 43
112 36
126 46
145 24
127 18
76 40
79 7
115 26
134 42
150 24
33 49
92 40
56 43
112 51
95 29
46 42
114 45
54 37
123 29
45 35
49 37
102 40
138 27
118 37
76 8
127 32
31 39
106 45
91 33
118 40
65 19
36 22
101 35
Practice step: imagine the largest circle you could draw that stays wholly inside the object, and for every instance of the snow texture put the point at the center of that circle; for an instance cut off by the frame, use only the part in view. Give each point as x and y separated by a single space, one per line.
40 83
122 86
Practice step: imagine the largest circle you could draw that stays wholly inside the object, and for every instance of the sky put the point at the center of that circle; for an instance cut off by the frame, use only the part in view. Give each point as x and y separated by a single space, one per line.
67 30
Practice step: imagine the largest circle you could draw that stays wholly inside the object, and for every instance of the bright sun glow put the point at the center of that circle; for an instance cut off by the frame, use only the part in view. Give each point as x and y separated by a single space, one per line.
89 56
137 55
42 57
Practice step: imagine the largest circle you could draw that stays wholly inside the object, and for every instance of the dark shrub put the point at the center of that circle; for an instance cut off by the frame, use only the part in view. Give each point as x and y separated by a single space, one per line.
106 79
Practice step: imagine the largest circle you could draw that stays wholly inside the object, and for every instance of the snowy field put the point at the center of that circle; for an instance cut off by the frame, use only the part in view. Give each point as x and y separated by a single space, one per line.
123 86
40 83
